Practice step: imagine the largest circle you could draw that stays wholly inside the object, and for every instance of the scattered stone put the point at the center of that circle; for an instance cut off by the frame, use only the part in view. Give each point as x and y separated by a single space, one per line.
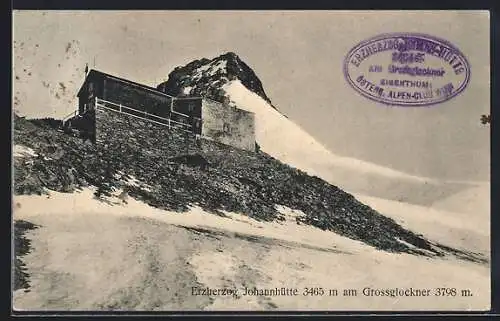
213 176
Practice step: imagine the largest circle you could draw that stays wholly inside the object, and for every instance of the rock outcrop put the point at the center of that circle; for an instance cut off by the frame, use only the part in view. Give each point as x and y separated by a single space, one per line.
205 77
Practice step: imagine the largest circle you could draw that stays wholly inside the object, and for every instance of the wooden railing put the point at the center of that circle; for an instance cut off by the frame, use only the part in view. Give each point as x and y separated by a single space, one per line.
69 116
144 115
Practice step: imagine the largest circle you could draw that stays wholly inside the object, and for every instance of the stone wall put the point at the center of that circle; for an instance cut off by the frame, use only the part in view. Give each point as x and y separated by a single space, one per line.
114 130
228 125
222 124
84 124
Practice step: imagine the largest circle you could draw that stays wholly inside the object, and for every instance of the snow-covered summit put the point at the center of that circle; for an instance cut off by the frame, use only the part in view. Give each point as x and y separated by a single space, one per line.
205 77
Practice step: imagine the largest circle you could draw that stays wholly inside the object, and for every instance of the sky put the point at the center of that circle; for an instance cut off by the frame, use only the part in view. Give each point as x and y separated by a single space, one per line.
298 56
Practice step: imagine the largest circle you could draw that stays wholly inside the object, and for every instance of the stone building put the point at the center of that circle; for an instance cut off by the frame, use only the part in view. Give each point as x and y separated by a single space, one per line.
102 93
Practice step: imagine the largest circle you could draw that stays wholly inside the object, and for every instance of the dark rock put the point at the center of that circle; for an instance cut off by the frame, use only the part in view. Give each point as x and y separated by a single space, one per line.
173 179
22 246
210 84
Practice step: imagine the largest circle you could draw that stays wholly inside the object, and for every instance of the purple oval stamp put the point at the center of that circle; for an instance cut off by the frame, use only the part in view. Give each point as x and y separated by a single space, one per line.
407 69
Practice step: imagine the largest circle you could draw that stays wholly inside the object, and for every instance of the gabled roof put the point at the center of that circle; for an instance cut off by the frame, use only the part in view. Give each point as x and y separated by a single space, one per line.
93 74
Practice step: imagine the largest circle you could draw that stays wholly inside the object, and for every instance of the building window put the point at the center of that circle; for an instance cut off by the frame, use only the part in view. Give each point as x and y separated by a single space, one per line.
91 90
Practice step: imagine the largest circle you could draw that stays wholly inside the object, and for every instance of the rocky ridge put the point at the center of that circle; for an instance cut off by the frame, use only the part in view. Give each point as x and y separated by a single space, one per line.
205 77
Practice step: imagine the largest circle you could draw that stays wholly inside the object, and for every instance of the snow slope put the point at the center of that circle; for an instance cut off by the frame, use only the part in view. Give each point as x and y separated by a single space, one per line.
23 151
107 256
475 201
286 141
467 231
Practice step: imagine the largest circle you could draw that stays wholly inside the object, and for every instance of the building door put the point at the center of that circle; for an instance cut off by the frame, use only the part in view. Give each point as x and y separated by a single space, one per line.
196 125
